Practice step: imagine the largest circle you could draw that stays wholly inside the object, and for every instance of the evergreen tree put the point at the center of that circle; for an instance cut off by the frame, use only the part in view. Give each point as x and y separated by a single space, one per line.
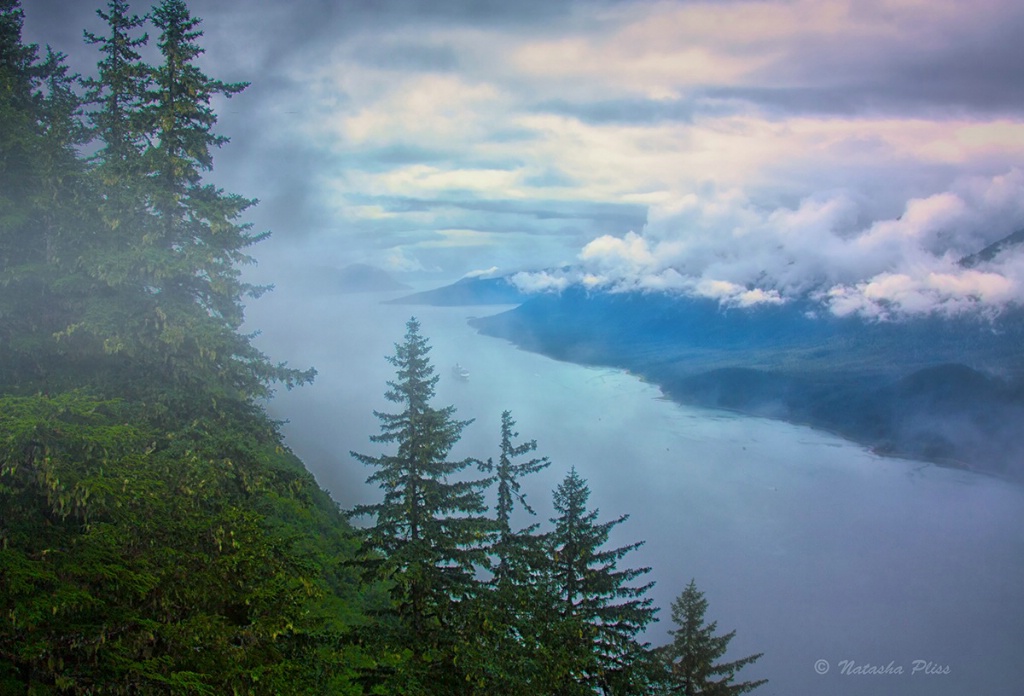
512 549
118 96
168 297
19 251
119 91
590 589
143 549
195 246
510 638
16 58
691 658
427 529
45 210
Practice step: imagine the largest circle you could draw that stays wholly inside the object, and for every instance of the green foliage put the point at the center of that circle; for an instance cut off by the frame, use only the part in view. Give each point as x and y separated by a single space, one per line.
132 561
155 535
691 659
558 615
427 538
42 186
118 93
515 551
590 588
512 637
121 272
514 641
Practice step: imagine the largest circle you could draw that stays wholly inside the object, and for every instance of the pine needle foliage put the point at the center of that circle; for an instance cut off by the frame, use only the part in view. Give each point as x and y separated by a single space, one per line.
428 534
514 550
591 589
692 658
155 534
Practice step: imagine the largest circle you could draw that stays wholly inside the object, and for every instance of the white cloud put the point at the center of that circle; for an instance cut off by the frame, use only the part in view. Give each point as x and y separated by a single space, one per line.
417 180
743 188
540 281
741 255
731 294
483 273
427 108
396 259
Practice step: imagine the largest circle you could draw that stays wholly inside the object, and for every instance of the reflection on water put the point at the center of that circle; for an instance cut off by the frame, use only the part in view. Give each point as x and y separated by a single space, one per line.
810 547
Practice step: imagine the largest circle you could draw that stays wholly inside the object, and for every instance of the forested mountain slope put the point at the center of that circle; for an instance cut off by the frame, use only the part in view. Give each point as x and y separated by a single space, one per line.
938 388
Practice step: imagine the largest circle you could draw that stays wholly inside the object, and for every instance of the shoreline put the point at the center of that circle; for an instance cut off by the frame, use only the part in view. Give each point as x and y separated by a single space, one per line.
885 449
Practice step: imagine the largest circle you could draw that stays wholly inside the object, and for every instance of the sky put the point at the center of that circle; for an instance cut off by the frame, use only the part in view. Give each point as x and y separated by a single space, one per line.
748 150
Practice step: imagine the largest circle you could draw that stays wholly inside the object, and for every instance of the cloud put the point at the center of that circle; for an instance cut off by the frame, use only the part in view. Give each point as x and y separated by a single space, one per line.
540 281
397 259
732 251
949 292
730 294
491 272
459 238
770 144
624 110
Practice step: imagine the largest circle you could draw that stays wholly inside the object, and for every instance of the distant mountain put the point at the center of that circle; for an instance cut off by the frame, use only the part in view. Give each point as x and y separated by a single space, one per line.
469 291
993 250
922 388
359 277
585 326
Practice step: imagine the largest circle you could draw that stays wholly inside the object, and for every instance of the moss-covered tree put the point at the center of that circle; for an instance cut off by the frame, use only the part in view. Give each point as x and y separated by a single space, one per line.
155 535
45 208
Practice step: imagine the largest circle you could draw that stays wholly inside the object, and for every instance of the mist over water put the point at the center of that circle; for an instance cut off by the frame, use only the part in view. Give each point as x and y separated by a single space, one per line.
810 547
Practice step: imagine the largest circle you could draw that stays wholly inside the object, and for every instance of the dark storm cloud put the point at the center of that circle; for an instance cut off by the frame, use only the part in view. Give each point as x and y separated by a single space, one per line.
625 111
407 56
387 156
962 64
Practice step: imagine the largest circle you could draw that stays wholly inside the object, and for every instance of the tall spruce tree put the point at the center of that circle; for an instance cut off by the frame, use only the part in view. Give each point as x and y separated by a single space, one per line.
196 244
691 658
428 531
20 250
168 261
118 92
591 589
139 553
45 212
512 548
510 637
118 96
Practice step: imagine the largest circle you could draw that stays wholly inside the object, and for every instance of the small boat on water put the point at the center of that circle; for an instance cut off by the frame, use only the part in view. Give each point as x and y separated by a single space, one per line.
460 373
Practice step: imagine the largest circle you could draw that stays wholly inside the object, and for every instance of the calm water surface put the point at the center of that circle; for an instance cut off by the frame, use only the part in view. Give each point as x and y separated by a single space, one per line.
823 556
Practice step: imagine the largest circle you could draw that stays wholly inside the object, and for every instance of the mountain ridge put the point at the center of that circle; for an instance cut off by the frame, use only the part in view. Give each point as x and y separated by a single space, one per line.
468 291
945 390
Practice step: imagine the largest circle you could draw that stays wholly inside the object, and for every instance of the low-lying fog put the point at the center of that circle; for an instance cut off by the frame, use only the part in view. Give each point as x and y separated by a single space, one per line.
830 560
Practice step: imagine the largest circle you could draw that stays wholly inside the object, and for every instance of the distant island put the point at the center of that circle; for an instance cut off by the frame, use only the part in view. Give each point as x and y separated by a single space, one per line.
468 291
944 390
357 278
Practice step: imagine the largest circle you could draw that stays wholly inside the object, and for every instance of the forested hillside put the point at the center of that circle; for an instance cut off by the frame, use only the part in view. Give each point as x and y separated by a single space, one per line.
156 536
942 389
